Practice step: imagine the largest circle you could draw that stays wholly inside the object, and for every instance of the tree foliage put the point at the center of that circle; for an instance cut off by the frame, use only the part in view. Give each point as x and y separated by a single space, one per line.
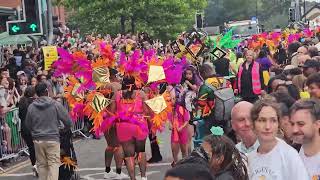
160 18
221 11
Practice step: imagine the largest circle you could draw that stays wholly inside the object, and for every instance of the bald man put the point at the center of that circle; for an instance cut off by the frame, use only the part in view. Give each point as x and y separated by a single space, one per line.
242 125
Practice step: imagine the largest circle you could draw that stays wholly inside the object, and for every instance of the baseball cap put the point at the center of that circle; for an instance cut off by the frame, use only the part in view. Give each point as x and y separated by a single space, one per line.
20 73
311 63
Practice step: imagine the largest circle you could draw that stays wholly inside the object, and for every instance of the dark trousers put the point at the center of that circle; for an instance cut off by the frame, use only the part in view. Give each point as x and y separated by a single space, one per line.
155 150
252 99
28 140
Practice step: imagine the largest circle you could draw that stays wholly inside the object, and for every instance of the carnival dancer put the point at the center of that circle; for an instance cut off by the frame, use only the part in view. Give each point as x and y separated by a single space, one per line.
179 120
131 127
182 131
155 149
114 148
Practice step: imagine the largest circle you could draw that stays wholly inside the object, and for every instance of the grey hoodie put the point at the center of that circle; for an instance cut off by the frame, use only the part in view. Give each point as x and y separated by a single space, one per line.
43 119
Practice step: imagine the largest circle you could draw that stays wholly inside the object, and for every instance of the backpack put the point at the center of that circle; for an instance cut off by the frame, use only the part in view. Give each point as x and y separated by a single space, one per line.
223 102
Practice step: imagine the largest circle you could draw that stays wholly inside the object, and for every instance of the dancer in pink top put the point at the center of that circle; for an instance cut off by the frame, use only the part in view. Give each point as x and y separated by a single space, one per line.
132 127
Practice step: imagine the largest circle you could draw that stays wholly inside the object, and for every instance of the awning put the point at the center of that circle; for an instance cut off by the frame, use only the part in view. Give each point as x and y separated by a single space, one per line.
7 11
6 39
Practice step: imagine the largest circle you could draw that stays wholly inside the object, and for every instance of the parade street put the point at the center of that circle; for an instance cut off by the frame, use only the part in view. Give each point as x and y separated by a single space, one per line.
90 154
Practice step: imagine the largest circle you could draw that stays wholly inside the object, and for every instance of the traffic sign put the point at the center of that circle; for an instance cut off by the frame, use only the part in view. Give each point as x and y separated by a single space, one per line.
32 23
15 28
33 27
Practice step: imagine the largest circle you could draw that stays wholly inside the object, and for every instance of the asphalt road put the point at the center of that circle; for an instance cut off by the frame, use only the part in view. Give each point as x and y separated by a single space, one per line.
90 154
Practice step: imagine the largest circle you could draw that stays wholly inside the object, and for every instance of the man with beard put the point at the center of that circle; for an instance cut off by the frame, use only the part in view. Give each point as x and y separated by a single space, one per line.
305 120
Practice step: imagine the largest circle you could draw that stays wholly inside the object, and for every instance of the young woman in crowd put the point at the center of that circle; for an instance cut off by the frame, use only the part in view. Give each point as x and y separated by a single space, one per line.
33 82
274 159
313 83
22 84
225 161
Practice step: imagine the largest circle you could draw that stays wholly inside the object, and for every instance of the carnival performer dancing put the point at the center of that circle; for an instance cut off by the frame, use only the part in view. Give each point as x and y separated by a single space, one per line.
131 127
114 148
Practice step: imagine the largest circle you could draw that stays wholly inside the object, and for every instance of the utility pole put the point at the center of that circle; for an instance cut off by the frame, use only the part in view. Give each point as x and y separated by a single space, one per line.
50 23
297 10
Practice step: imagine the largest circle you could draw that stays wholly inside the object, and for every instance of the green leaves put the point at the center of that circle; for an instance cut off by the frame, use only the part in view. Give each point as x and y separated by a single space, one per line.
160 18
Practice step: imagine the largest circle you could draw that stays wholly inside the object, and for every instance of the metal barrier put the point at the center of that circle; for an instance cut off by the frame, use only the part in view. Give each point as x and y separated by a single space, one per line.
11 142
78 126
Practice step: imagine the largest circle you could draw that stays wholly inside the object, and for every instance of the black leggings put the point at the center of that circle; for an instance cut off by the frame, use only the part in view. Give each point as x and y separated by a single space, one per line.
133 146
28 140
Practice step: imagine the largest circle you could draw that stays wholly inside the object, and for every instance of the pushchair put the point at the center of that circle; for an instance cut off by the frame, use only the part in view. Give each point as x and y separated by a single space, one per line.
67 170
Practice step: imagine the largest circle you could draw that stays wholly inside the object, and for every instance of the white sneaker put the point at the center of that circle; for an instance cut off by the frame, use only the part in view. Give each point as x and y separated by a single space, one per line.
143 178
122 176
110 175
35 171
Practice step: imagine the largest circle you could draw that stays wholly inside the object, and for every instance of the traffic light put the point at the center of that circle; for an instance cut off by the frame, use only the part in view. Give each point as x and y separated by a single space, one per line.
32 23
16 28
199 20
292 15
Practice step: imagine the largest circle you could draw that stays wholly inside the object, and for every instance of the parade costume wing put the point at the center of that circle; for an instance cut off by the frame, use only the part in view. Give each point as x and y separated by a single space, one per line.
173 69
162 107
95 109
100 72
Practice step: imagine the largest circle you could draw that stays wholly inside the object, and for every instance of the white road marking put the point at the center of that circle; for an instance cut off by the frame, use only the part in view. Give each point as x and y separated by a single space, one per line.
90 169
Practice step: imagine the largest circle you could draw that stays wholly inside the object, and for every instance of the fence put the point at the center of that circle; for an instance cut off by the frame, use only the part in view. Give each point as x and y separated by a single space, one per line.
78 127
12 144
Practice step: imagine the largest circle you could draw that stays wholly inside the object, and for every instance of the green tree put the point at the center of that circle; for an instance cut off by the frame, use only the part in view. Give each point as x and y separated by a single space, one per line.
160 18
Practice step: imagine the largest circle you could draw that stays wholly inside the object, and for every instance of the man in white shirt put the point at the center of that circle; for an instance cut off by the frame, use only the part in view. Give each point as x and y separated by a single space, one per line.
305 120
242 125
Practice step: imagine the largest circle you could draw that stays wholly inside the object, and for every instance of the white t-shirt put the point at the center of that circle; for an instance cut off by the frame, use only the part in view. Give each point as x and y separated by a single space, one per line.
281 163
312 164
